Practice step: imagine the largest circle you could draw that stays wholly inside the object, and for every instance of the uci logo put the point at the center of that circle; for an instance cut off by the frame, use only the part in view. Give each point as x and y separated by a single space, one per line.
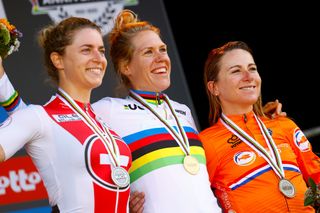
132 107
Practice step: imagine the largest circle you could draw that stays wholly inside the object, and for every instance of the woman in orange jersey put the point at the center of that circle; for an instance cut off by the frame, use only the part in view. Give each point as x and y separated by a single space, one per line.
255 164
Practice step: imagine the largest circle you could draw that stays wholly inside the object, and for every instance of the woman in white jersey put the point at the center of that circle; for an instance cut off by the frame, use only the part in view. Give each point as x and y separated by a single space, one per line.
65 139
168 161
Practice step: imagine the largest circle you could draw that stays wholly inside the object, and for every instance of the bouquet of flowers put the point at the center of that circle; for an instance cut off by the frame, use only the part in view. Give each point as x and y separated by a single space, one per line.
9 35
312 195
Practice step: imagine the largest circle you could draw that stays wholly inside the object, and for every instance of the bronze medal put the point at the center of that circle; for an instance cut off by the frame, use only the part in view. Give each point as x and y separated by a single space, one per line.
287 188
191 164
120 176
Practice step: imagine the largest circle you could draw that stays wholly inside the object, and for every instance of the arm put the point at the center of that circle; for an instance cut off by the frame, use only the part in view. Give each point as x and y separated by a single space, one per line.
9 98
1 68
308 161
24 126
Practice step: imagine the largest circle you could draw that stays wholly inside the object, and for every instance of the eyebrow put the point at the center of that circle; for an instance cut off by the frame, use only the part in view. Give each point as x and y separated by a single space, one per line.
237 66
90 45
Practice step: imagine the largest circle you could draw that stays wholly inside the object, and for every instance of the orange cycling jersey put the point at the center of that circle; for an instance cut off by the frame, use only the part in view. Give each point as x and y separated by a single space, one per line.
242 179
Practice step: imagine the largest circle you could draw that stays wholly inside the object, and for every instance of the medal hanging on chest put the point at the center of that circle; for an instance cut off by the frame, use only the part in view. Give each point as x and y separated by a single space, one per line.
119 175
274 159
190 163
287 188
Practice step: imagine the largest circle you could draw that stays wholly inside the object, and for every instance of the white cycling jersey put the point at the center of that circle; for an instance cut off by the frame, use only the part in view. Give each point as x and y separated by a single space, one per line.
157 160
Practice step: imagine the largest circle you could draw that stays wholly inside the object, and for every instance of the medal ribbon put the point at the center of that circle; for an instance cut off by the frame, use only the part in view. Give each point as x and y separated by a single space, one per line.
273 158
107 138
179 135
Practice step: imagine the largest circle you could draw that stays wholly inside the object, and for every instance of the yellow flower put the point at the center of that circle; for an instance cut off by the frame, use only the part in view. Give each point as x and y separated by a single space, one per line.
9 26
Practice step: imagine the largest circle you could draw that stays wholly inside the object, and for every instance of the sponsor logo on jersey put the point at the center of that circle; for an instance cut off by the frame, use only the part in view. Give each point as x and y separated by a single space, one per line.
244 158
66 117
301 141
180 111
20 181
132 107
234 141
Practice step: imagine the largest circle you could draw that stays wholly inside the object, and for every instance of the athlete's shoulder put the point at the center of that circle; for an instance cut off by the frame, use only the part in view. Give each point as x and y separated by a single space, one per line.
106 103
111 100
282 122
211 131
31 107
177 104
181 108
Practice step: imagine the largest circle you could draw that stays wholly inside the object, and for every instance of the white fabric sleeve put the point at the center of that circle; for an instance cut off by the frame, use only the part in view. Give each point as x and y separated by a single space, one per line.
6 88
20 128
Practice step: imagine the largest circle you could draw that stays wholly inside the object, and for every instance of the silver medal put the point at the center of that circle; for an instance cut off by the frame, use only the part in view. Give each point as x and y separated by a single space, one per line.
120 176
287 188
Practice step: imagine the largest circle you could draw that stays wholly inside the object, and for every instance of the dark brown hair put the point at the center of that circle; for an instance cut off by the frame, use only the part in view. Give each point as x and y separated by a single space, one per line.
55 38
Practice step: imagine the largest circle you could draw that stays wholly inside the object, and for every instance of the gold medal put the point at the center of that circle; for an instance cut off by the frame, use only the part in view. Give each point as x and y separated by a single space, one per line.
287 188
191 164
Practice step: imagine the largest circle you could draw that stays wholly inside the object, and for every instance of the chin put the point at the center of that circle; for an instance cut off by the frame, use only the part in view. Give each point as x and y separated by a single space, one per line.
165 86
96 84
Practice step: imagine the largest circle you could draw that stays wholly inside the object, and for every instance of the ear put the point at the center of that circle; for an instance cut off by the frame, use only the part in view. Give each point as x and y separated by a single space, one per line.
124 68
57 60
211 86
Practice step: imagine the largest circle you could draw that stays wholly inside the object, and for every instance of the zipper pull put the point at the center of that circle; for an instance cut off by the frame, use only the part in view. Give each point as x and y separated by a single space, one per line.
158 99
245 119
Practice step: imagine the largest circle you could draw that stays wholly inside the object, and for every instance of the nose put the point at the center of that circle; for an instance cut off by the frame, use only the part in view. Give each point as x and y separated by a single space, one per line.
247 75
160 56
98 56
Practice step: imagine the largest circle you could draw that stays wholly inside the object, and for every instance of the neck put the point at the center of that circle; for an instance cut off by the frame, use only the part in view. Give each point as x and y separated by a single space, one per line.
82 96
236 109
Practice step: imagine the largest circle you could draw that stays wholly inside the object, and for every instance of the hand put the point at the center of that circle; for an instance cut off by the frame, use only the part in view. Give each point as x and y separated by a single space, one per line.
1 68
136 202
273 109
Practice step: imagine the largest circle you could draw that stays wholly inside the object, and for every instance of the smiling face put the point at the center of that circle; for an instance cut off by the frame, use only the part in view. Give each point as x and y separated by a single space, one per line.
150 66
239 83
83 64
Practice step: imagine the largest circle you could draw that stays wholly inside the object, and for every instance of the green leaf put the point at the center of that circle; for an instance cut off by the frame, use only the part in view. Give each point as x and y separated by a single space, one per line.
308 201
4 35
312 184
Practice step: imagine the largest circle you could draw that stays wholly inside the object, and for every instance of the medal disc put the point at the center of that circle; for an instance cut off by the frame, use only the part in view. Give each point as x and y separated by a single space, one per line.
120 176
287 188
191 164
